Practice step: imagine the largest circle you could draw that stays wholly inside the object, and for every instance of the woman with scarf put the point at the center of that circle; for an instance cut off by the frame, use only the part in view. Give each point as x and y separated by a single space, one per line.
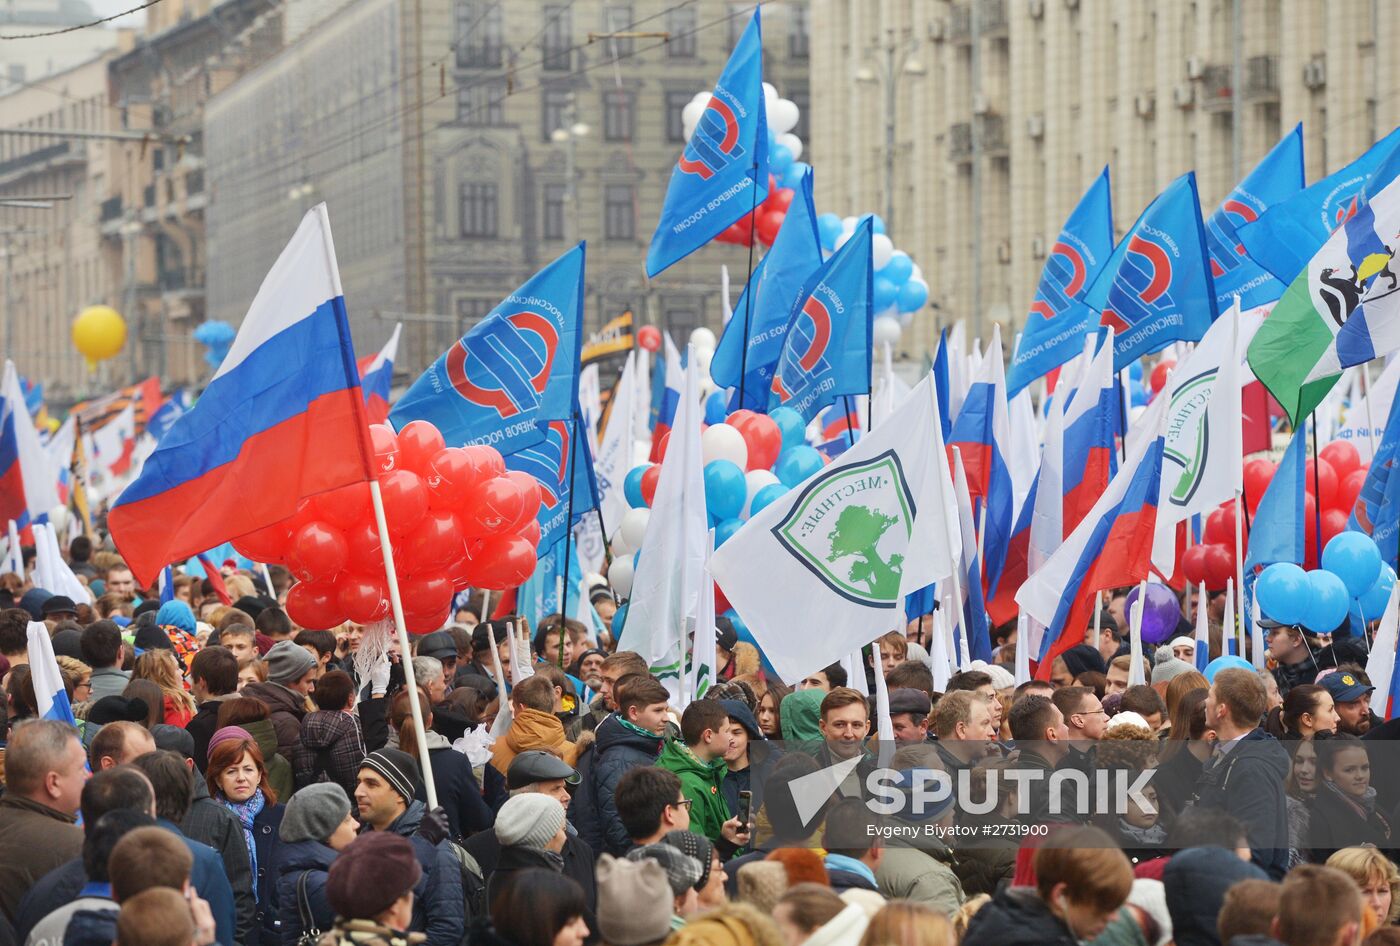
1344 813
237 779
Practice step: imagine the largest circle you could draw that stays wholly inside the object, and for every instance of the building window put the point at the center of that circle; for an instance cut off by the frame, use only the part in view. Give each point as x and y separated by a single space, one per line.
552 226
617 18
471 311
554 111
619 216
558 28
479 210
675 119
681 25
617 114
482 103
479 34
800 97
799 42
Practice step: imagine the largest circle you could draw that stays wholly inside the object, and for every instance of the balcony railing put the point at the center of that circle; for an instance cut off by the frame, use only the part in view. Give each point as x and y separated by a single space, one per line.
111 209
960 141
1261 79
37 156
1217 90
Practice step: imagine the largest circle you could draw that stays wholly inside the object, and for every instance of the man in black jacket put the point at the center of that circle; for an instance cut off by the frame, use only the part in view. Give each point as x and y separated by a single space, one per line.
628 738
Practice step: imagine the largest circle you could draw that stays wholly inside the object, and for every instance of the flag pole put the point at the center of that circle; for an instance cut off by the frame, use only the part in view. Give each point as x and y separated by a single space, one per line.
950 523
569 531
405 649
1366 396
1239 552
748 290
1317 489
1122 416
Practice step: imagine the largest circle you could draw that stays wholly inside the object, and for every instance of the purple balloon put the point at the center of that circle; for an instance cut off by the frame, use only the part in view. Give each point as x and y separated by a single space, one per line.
1160 613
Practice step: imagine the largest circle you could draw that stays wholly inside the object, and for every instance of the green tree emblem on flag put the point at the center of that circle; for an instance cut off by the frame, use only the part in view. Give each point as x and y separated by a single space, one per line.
857 533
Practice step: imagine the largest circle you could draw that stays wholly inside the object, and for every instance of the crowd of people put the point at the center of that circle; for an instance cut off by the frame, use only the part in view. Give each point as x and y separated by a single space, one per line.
233 779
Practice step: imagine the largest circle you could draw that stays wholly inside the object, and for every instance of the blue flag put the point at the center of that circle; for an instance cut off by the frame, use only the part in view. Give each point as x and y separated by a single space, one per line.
826 344
1287 235
761 313
563 466
1276 178
1059 317
1377 510
940 385
1156 288
1278 532
723 172
514 372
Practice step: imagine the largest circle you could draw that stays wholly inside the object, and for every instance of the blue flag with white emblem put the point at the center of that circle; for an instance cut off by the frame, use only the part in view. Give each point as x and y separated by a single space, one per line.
516 371
1275 179
723 172
760 317
1156 288
563 465
1059 318
826 345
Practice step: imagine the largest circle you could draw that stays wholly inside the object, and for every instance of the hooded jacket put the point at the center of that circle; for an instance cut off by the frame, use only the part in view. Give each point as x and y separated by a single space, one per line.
762 757
286 710
279 768
1017 917
532 729
1195 882
439 908
743 659
844 929
801 713
700 782
907 872
330 750
593 810
311 859
1247 784
458 792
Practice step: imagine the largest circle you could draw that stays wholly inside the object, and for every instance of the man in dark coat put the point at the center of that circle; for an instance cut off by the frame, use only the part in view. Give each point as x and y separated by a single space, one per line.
629 738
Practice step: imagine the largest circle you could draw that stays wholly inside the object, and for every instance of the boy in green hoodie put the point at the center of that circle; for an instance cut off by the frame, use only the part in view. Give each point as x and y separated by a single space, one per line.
697 759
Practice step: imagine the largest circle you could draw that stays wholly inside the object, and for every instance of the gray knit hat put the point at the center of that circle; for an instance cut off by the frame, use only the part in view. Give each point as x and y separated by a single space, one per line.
682 870
1169 669
314 813
634 901
288 662
530 820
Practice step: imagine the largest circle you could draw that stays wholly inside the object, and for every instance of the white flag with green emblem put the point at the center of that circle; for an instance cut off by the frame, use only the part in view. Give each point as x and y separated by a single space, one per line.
1202 458
824 570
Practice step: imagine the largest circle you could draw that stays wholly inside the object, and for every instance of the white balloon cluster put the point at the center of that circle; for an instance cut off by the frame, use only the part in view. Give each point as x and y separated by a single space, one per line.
900 289
785 148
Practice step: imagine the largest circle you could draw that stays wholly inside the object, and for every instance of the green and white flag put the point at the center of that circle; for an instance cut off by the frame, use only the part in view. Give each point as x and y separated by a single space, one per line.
824 570
1295 352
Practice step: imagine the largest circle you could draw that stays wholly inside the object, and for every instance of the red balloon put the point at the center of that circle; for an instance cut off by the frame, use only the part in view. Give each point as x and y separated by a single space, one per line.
531 497
530 532
365 556
1257 476
426 594
780 199
1334 522
424 623
493 508
434 543
661 446
363 598
504 561
419 442
487 459
314 605
649 337
1220 525
738 419
767 224
268 544
1343 457
386 446
1310 552
318 551
405 500
650 478
1220 566
452 474
764 440
1158 379
1350 489
1193 564
347 506
1328 483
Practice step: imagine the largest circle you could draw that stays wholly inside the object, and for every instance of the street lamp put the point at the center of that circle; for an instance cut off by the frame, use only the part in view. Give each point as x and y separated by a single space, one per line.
568 135
886 73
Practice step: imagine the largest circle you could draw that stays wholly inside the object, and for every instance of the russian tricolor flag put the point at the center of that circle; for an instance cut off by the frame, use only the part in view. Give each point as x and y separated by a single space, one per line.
283 418
670 398
377 378
1091 419
28 482
982 432
1112 546
49 692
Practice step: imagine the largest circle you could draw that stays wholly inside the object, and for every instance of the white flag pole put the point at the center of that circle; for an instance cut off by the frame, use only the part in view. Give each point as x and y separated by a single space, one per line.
1023 648
1135 673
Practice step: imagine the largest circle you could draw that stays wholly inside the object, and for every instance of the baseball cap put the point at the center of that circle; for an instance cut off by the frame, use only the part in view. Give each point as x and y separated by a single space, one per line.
1344 686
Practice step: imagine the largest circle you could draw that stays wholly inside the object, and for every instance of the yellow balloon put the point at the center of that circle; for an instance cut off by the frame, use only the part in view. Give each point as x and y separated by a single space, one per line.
99 332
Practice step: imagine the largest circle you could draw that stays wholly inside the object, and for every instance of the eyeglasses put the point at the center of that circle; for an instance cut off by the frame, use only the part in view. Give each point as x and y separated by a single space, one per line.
683 803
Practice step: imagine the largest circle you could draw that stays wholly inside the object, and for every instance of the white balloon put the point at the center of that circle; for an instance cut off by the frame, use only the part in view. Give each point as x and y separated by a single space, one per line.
620 576
886 330
692 112
782 115
792 143
881 249
703 338
634 526
917 273
702 97
841 240
848 224
906 319
619 544
770 95
755 480
703 357
723 442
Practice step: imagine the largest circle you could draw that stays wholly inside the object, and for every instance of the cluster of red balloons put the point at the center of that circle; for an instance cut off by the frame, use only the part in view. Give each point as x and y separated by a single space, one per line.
1158 378
457 518
649 338
1213 561
764 221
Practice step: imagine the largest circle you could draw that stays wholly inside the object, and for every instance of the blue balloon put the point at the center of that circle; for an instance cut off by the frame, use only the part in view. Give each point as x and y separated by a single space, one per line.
1327 602
726 529
1135 370
1226 662
1354 558
792 177
877 223
1282 592
790 422
725 489
1373 602
632 486
766 497
912 296
899 268
1139 396
716 408
883 294
779 159
795 464
828 228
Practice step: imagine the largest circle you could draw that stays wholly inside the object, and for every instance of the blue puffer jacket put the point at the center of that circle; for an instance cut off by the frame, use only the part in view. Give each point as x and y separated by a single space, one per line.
439 908
312 859
1247 784
592 810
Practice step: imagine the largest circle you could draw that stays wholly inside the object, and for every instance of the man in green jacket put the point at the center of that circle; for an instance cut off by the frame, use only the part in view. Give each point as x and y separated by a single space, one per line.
697 759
